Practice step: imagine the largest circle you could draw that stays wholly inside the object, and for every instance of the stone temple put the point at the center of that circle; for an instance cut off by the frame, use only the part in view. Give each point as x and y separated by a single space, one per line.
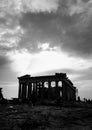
49 87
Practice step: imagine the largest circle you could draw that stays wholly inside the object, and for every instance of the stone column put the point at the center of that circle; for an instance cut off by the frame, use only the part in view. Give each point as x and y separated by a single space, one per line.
29 90
49 90
33 89
42 91
24 89
34 93
36 88
20 91
57 90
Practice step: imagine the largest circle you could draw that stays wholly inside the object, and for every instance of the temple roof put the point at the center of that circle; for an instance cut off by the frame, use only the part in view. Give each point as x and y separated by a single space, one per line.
27 76
24 76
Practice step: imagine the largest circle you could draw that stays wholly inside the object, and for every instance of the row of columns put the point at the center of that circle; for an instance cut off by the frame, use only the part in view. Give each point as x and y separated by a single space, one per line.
29 90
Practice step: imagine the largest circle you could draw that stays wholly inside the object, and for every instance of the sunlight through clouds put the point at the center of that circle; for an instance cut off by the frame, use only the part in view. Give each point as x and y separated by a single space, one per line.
44 46
26 62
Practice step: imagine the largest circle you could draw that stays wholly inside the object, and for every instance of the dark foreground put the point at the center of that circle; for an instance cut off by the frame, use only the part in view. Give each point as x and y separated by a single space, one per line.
27 117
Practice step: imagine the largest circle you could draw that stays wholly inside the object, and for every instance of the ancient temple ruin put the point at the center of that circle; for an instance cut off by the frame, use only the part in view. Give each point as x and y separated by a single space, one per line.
49 87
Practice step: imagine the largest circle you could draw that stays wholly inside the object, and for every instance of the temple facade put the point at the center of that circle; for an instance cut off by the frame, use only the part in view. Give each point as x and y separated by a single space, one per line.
46 87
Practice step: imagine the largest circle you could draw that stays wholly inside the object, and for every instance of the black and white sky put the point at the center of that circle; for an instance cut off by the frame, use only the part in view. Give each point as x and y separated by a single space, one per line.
40 37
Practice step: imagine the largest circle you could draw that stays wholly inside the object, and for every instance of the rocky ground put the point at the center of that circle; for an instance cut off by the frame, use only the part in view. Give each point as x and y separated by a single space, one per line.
28 117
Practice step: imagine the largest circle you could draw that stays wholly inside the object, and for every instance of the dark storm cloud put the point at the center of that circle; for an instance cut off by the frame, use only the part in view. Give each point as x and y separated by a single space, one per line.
71 31
64 23
44 27
40 28
79 37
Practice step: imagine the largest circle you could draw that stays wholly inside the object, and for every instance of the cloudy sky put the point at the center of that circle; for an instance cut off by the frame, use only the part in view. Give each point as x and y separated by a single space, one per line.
40 37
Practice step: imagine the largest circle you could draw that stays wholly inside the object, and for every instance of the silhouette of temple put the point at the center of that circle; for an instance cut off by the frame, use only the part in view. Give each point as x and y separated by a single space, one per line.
46 87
